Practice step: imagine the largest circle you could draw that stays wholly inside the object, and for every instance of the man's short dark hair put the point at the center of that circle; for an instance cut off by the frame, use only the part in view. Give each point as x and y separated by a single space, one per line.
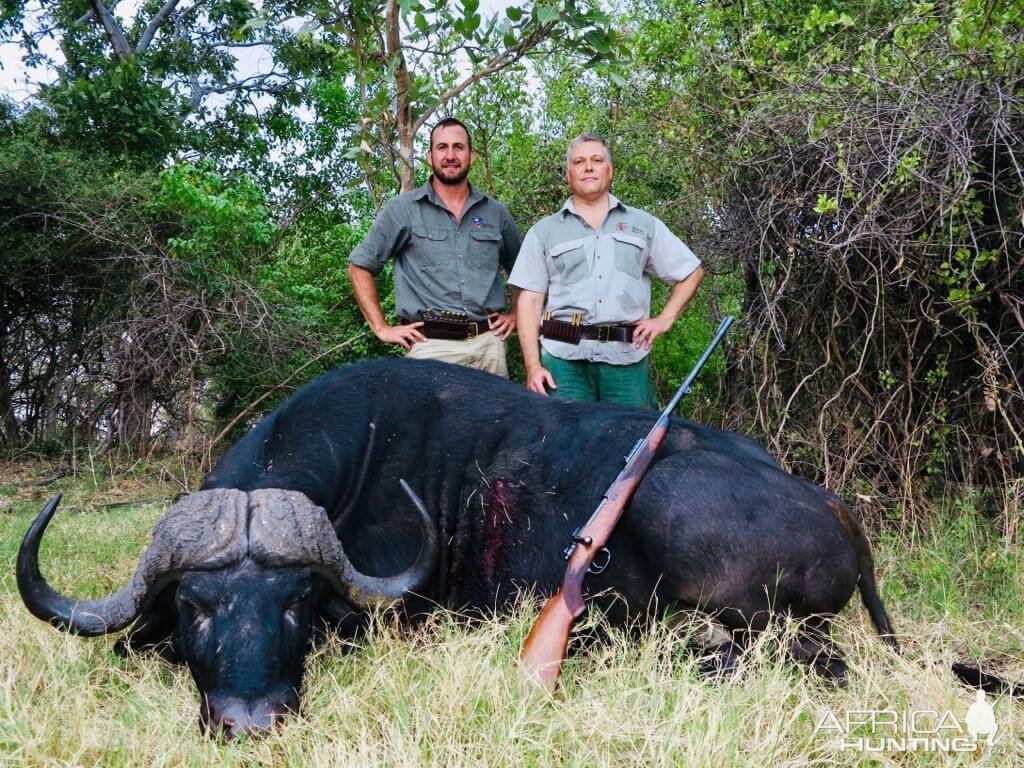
448 122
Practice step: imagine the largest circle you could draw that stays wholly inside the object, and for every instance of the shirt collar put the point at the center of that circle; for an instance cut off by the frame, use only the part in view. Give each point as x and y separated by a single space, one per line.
428 191
570 207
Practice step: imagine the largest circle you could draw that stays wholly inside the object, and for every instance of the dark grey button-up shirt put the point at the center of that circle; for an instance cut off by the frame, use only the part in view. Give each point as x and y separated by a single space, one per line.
441 263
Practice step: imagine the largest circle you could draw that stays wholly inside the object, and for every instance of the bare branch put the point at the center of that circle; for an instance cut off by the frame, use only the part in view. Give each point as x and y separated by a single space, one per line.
154 25
122 51
497 63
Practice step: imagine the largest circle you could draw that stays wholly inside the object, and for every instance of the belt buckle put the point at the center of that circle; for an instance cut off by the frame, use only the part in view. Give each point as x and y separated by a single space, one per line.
472 329
604 333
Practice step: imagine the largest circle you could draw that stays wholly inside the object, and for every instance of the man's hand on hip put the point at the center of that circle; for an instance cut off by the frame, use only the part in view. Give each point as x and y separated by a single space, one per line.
646 331
403 335
502 324
536 378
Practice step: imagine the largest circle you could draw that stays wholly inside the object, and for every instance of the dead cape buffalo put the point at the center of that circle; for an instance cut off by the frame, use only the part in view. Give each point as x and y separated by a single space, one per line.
304 519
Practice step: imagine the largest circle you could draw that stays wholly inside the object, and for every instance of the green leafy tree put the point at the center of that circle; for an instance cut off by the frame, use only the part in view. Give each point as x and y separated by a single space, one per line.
399 51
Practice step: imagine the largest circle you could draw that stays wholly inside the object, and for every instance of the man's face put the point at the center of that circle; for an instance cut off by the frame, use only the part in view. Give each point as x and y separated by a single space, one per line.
589 172
450 155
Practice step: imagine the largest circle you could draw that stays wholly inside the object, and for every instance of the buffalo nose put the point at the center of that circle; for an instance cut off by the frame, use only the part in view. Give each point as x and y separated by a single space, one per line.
233 717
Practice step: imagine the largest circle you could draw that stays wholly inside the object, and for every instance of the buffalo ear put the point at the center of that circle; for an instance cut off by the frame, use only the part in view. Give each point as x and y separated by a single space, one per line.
154 630
335 614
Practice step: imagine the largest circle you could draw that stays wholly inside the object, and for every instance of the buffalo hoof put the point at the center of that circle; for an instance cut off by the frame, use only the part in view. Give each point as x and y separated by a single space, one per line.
230 716
720 662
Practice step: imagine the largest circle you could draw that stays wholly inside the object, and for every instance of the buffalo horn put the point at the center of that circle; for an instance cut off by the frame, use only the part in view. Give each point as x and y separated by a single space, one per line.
188 536
287 527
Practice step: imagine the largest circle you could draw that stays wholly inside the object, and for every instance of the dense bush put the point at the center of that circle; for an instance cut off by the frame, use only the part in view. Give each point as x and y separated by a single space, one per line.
864 175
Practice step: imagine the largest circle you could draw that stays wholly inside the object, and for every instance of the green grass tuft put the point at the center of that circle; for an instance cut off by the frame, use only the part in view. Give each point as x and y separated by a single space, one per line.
449 694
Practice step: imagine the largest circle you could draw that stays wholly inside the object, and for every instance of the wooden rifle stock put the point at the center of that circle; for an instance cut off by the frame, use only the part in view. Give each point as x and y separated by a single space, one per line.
545 648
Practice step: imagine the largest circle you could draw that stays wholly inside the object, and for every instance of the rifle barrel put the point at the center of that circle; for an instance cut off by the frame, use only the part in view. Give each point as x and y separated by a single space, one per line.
662 422
723 328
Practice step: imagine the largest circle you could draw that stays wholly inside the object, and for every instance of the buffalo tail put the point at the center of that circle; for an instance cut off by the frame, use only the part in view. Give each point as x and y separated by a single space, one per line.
975 678
866 565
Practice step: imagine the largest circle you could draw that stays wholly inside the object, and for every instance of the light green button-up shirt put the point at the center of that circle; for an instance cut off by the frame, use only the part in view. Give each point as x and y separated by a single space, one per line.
441 263
602 274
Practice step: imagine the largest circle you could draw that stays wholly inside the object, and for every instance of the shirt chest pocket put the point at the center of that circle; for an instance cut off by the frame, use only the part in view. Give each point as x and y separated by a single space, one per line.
630 254
432 247
484 247
571 260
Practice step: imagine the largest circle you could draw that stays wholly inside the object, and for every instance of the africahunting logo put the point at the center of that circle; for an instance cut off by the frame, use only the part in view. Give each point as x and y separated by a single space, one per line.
887 730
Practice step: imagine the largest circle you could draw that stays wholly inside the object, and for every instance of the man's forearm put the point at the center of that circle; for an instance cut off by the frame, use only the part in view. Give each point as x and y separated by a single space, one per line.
680 296
529 306
367 297
513 302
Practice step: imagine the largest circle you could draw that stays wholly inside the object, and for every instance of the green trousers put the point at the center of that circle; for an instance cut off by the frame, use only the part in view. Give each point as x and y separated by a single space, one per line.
602 382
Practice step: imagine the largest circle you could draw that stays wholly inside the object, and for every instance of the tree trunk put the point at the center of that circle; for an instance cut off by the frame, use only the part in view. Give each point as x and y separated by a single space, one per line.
72 344
133 417
122 51
403 85
8 423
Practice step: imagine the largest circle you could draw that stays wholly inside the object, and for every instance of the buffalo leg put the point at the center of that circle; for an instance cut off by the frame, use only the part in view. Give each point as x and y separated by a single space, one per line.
813 646
718 646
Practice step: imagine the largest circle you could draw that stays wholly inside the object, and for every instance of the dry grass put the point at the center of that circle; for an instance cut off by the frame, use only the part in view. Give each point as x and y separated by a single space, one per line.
449 694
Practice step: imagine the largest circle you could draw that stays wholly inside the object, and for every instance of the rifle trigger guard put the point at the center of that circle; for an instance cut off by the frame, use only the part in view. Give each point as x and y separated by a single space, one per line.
596 568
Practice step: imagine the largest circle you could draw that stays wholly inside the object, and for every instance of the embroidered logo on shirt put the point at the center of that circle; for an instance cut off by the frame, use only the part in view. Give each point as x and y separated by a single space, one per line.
621 226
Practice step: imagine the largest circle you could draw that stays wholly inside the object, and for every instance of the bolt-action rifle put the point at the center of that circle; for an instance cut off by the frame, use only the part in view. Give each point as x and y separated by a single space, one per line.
545 648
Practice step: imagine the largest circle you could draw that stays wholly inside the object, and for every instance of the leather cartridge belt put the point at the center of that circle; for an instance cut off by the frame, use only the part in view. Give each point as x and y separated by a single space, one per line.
573 333
453 326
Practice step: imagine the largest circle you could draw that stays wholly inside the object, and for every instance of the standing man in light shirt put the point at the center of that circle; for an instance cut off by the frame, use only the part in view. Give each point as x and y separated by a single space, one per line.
585 288
449 242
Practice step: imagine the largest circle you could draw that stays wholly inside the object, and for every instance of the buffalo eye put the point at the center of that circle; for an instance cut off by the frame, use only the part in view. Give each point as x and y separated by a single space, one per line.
198 611
291 610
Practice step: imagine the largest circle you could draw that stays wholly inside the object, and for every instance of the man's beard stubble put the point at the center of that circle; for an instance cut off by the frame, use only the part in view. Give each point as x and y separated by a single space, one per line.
450 181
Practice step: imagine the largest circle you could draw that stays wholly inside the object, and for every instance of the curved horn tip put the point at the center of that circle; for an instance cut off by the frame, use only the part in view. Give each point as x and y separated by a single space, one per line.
414 497
35 530
365 591
80 617
51 506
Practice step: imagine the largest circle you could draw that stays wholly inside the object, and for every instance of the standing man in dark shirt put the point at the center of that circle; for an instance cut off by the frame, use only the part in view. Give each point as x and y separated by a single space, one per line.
448 241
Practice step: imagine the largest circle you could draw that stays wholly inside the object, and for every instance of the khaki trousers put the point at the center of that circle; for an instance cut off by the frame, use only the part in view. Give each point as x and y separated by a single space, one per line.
486 352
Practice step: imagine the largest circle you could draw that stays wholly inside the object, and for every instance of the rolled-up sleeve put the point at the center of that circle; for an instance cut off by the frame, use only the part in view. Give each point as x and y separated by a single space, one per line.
382 241
511 241
669 257
530 271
